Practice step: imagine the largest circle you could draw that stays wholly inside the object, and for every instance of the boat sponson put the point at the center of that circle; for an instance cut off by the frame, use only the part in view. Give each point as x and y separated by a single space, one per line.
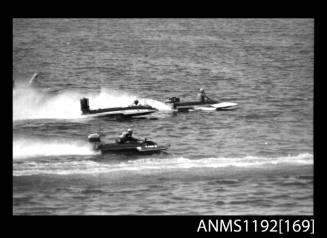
194 103
129 146
114 146
94 111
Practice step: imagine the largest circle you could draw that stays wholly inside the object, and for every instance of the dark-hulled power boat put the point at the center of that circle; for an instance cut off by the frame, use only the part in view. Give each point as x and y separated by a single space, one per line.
209 104
129 111
140 146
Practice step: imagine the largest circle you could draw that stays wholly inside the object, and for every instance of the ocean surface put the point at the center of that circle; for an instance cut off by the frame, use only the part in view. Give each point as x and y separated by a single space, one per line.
254 160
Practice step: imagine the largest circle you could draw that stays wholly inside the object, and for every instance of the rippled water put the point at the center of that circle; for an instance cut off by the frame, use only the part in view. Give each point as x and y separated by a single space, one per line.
257 159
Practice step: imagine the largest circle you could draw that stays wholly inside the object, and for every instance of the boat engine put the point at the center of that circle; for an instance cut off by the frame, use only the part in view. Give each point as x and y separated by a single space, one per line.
94 138
85 105
173 100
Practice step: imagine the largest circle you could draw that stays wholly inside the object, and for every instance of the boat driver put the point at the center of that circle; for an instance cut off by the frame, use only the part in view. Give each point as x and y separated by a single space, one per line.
135 103
126 136
202 96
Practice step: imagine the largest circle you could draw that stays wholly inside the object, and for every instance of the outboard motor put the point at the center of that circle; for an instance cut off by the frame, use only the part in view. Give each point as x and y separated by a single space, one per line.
94 138
172 100
85 105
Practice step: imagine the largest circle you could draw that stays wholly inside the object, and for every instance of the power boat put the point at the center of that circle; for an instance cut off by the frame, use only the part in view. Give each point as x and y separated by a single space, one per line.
138 146
209 104
119 112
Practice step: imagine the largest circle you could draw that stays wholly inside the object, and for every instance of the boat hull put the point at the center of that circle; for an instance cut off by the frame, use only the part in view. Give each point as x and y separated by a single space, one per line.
130 111
205 106
120 112
139 148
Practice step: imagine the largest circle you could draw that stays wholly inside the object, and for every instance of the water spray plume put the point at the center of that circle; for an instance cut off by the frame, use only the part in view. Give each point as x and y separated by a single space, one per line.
31 103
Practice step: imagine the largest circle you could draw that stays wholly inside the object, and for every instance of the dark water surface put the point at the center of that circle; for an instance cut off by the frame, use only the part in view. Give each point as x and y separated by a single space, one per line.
257 159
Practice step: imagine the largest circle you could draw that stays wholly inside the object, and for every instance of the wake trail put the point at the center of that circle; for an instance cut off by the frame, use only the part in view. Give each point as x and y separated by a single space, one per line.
29 148
156 165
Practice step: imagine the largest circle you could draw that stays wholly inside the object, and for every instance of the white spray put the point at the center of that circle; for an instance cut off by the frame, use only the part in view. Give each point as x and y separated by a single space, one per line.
31 103
27 148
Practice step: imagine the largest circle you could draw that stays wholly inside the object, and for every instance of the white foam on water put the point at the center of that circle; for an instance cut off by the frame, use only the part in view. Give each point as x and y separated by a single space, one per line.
156 104
153 165
29 148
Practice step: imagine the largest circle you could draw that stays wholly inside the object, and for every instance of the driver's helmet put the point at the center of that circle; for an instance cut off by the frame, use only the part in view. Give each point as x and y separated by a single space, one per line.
136 102
130 131
201 90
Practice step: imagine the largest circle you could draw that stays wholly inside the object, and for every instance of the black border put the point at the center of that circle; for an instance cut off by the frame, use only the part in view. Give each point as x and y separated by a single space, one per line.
6 119
153 225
